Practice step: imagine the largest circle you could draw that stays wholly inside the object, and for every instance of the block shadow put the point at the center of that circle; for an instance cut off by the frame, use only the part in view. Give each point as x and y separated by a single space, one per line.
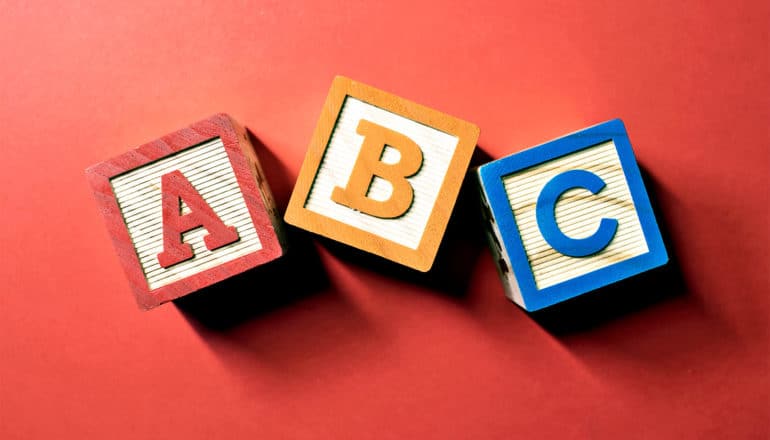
260 290
460 247
263 289
629 296
277 325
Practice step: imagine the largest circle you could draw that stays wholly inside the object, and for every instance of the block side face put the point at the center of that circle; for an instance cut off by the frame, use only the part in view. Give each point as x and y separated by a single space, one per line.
499 253
341 156
270 206
208 169
503 263
264 208
578 213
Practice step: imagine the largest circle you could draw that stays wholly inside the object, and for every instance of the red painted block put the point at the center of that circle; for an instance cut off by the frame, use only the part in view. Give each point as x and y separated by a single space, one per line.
188 210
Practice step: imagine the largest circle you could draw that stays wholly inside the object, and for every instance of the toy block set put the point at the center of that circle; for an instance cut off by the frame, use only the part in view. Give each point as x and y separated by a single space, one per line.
381 174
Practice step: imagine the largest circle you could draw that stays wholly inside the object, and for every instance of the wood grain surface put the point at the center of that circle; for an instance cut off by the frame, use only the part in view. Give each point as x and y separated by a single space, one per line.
216 156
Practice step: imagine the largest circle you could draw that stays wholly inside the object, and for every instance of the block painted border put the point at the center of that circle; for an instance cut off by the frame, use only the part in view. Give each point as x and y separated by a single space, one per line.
422 257
244 162
491 176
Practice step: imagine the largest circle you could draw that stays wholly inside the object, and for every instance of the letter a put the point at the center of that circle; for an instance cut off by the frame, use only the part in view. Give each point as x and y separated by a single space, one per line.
176 188
368 165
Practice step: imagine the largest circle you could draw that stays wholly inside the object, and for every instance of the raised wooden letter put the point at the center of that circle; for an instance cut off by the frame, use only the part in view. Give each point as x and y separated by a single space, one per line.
369 164
176 190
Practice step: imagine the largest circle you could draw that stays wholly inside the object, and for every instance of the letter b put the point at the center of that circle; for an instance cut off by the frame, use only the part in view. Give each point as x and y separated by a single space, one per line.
369 164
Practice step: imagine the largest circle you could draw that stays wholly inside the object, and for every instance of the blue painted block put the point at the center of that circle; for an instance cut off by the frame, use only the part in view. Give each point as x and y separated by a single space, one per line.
570 216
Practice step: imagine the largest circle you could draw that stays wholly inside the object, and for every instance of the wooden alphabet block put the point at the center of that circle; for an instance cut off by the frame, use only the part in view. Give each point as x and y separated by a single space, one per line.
382 174
188 210
569 216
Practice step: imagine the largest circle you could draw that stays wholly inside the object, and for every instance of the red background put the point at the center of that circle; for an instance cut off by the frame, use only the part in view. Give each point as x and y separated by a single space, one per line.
374 352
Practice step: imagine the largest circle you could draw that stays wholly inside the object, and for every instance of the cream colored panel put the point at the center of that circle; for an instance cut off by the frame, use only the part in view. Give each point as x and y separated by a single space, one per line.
578 213
340 156
208 169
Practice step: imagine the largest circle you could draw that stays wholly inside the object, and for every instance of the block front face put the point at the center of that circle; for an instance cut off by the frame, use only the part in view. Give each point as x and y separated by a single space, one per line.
382 174
570 216
187 210
577 213
341 157
208 170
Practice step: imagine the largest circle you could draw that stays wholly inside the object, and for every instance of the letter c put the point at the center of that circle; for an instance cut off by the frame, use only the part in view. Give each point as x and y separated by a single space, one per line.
546 215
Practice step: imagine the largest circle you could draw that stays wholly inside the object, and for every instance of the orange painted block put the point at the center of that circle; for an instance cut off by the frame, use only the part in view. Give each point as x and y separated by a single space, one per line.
382 174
